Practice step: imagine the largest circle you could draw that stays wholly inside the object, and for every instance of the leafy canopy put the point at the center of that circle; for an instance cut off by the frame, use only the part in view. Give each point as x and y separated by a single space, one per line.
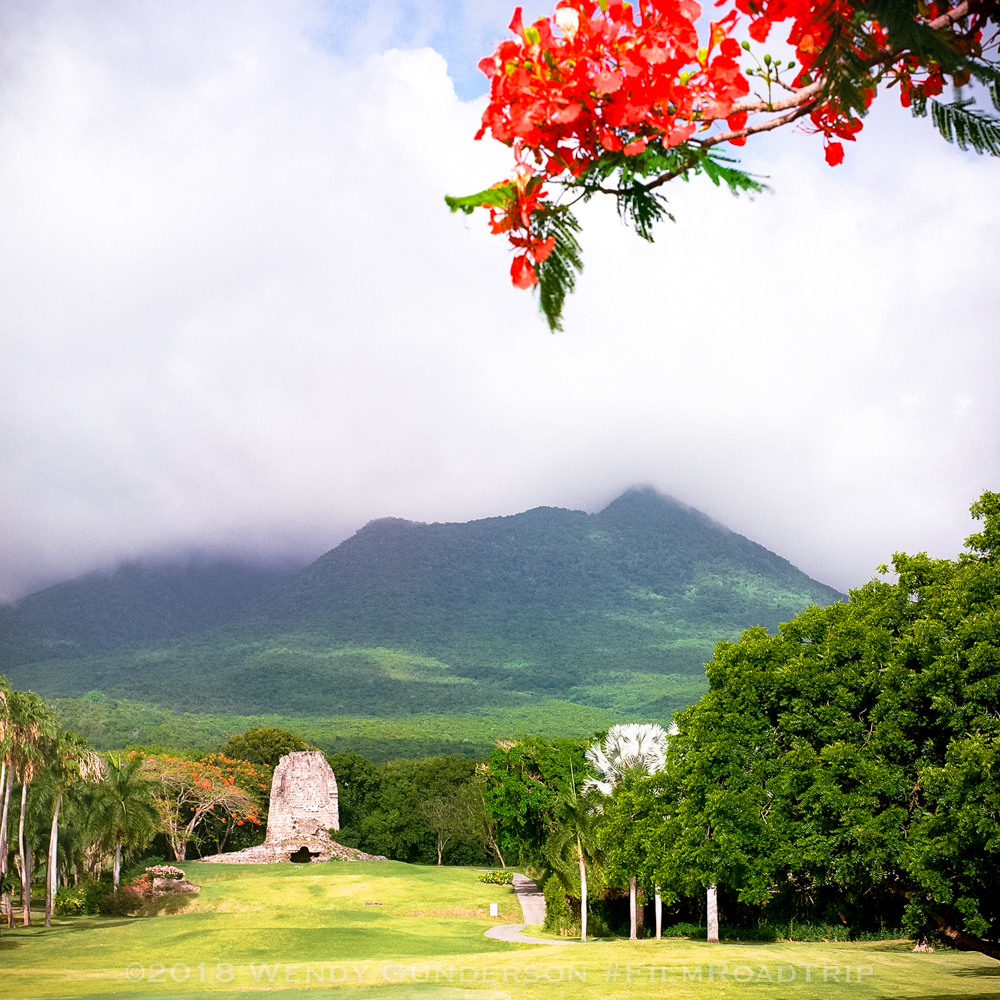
849 761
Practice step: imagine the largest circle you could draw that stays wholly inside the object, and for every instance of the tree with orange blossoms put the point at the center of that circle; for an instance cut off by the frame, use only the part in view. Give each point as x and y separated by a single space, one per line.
187 793
255 780
619 99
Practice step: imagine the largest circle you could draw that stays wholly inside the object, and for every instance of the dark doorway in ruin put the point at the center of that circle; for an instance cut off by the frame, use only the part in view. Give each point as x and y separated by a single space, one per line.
303 856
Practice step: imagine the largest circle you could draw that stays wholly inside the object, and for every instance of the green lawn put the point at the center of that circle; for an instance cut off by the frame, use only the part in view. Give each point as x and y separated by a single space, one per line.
307 929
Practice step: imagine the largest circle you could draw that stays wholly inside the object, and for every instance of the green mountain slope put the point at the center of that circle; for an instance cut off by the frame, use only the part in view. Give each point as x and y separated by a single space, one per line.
616 610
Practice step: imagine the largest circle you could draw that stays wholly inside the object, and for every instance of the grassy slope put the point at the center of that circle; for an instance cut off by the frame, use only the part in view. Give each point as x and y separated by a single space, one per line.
431 924
111 725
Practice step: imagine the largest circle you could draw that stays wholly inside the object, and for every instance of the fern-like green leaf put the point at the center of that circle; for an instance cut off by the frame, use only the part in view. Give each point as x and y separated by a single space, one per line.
642 209
958 124
557 273
496 197
718 171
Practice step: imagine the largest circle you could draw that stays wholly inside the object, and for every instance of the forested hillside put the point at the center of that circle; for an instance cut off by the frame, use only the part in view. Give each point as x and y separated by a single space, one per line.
137 604
616 610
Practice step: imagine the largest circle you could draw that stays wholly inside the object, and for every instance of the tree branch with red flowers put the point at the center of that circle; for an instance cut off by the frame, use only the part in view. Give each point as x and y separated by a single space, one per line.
611 90
186 793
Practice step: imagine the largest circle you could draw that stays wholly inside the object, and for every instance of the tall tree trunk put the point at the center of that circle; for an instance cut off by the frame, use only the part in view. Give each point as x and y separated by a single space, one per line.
632 929
178 843
495 848
440 852
52 870
118 863
583 894
6 904
23 860
713 913
966 942
658 910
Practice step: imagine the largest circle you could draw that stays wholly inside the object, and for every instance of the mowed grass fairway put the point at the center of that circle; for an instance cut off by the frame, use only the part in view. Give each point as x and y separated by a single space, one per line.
307 931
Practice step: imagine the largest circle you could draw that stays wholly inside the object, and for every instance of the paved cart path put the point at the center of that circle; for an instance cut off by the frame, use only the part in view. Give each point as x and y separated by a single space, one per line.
532 907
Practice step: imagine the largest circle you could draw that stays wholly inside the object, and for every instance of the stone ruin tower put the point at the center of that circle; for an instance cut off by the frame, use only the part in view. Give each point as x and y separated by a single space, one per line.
303 810
303 801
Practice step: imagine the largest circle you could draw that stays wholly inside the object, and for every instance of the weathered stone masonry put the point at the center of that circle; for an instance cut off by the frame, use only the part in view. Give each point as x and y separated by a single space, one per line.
303 809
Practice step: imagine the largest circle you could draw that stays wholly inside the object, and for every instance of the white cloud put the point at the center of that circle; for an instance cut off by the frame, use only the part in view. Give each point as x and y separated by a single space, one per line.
236 315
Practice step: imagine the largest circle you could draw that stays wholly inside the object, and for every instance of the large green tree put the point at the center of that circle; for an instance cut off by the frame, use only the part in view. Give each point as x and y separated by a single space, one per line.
29 725
851 759
124 813
410 810
263 745
522 783
70 759
573 846
628 751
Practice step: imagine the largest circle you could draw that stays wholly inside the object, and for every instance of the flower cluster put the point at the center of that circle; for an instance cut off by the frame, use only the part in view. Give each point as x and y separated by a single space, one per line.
494 877
140 887
588 91
595 79
612 78
826 31
165 871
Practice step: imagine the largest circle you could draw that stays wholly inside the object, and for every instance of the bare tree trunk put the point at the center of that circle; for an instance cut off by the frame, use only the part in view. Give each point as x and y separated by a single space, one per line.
7 785
51 871
632 929
179 845
713 913
583 896
118 863
495 848
6 904
658 909
440 851
23 860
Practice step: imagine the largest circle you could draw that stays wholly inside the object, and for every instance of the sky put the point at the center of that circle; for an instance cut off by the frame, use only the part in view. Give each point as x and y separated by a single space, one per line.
237 319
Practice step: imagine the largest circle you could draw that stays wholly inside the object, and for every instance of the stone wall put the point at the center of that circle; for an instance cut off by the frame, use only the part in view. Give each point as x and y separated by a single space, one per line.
303 798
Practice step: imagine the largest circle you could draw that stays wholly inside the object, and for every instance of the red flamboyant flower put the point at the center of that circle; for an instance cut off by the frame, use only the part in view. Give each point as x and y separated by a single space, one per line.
599 89
587 81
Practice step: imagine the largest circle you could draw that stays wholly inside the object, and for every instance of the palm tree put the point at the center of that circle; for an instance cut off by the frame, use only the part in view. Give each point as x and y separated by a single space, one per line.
29 724
6 784
577 818
72 760
629 748
124 814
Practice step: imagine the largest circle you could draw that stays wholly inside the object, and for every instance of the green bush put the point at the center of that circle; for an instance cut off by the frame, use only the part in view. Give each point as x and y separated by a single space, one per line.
120 903
70 902
497 877
882 934
139 866
800 932
557 910
791 931
684 930
84 899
